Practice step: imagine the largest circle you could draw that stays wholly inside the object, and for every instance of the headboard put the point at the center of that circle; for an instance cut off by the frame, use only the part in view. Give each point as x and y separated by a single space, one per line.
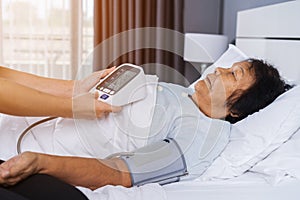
272 33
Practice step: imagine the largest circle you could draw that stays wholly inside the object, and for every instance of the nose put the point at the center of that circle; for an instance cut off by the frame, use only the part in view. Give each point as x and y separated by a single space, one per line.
219 70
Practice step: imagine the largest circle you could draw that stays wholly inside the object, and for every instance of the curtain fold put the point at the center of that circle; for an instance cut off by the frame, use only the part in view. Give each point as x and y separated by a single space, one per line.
148 33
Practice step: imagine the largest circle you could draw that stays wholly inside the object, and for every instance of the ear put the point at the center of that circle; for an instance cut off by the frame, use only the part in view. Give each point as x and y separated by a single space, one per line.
233 114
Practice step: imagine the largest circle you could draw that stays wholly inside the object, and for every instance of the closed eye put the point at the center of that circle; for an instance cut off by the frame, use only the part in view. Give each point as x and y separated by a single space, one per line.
233 74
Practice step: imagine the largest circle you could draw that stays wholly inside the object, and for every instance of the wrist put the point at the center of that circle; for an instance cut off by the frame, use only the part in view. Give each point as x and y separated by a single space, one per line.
47 164
41 163
125 177
66 108
70 88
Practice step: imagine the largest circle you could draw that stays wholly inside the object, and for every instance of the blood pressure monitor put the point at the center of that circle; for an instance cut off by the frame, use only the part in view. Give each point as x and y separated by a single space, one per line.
124 85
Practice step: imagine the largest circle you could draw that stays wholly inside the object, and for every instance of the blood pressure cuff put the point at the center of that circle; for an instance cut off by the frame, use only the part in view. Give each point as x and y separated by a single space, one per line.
161 162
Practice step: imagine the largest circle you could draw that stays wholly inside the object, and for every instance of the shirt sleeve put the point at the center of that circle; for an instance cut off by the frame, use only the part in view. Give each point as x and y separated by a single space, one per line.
201 140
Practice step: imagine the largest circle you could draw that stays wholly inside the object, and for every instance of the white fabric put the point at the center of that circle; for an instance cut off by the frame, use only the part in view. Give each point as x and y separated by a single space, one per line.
124 131
252 140
283 162
249 186
88 138
258 135
201 139
11 127
145 192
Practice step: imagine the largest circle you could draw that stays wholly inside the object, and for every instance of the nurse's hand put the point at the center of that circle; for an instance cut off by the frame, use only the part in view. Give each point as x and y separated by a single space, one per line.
86 84
85 104
18 168
88 106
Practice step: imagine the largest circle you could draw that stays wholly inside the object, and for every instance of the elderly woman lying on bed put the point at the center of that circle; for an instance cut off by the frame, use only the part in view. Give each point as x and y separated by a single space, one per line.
189 117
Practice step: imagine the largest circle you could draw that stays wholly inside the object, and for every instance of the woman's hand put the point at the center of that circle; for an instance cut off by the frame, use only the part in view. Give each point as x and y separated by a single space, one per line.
39 96
86 104
86 172
89 107
18 168
86 84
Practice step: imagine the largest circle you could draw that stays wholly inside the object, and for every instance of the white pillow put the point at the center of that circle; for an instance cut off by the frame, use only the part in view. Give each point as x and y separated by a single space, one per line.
285 161
228 58
253 138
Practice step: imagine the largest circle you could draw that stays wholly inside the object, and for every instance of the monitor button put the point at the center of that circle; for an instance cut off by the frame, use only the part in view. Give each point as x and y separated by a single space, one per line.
106 90
104 96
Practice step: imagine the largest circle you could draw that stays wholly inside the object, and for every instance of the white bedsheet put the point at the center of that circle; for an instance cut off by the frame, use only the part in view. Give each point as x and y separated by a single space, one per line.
124 131
275 177
11 127
249 186
146 192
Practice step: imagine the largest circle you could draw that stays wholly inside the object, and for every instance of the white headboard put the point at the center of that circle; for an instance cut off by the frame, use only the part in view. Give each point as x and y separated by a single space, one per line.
273 34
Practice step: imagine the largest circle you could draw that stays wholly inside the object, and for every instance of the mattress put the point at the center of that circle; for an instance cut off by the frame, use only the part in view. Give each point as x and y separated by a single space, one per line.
248 186
251 185
255 184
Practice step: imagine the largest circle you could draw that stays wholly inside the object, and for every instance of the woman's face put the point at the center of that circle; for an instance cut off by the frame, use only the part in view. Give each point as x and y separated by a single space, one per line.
214 90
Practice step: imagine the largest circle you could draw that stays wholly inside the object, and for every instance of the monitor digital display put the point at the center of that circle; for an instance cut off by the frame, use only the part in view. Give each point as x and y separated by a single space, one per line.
121 80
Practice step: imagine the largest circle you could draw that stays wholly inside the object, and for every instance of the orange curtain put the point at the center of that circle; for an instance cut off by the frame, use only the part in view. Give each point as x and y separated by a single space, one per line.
142 32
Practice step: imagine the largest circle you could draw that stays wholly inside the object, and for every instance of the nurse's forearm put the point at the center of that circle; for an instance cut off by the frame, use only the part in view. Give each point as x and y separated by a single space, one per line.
85 172
19 100
57 87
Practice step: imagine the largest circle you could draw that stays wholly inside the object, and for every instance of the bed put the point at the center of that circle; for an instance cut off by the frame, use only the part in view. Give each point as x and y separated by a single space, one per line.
262 159
271 33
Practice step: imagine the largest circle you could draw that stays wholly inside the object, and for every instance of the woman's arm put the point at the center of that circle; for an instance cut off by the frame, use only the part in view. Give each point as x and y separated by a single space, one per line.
24 94
86 172
57 87
20 100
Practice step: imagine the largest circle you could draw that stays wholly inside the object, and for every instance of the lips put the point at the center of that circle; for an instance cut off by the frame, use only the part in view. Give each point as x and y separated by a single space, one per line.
208 81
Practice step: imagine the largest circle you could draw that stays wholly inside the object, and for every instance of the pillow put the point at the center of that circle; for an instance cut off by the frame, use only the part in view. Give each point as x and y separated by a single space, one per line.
256 136
230 56
285 161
